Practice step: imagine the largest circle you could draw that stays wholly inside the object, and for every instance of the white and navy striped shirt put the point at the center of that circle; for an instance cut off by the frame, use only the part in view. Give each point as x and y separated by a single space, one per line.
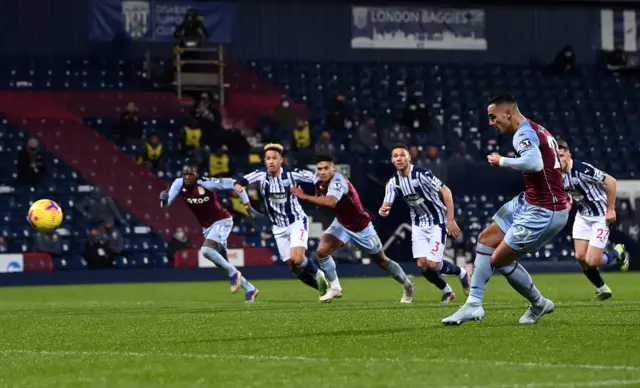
282 207
421 191
585 184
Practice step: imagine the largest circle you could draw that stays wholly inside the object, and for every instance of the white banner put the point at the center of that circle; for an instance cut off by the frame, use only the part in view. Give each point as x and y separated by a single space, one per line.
11 263
234 256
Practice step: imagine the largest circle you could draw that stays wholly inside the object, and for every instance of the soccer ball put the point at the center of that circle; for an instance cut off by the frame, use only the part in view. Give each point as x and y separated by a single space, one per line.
45 216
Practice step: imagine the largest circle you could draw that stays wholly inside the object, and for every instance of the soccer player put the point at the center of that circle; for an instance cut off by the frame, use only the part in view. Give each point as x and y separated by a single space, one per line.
352 223
200 196
525 223
594 193
290 223
431 219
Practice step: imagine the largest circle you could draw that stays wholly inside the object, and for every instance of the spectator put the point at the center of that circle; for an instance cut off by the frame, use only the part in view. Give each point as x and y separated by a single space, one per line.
205 111
324 145
618 61
235 140
458 162
435 163
99 209
417 158
152 159
416 117
340 117
284 114
191 144
302 143
3 245
129 128
564 62
31 167
96 252
112 237
397 134
191 32
365 139
220 163
48 243
178 242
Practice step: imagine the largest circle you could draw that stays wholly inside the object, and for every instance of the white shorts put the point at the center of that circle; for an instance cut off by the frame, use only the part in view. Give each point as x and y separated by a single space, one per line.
591 228
293 236
428 242
219 231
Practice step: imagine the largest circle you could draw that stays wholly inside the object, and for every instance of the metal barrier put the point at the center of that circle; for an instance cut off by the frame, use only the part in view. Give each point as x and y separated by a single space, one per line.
201 79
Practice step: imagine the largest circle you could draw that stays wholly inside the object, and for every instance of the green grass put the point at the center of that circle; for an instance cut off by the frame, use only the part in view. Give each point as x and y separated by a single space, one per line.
197 335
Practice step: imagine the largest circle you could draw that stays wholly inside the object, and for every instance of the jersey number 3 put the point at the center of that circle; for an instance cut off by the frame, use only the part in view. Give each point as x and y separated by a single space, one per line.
554 147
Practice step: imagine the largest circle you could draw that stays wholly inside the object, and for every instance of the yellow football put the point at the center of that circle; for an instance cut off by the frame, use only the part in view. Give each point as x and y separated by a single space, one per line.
45 216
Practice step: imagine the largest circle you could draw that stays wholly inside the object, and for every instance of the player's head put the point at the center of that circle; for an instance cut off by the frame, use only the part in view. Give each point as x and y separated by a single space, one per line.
502 110
190 173
325 167
564 153
273 157
400 156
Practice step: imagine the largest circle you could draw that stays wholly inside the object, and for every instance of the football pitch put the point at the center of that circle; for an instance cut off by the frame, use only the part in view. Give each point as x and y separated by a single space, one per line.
199 335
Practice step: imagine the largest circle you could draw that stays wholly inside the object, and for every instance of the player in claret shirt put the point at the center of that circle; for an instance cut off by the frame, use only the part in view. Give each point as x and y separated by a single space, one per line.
524 224
200 195
352 223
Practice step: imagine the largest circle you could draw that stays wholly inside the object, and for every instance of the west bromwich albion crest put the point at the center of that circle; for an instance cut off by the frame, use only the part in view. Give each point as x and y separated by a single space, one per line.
360 16
136 17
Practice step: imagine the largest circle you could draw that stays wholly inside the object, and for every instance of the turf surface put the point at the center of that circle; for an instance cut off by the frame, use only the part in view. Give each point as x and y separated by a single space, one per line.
197 335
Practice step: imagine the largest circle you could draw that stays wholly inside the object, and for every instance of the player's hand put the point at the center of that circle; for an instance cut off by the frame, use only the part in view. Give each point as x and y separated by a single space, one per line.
610 216
453 229
298 192
164 195
494 159
384 210
253 213
238 187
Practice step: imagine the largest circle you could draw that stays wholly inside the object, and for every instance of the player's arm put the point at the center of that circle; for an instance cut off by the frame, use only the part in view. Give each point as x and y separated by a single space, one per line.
389 197
305 176
595 175
222 184
253 177
434 184
527 147
167 197
337 188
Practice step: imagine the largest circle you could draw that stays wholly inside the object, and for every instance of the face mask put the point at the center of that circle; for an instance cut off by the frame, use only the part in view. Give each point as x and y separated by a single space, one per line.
179 235
285 104
412 107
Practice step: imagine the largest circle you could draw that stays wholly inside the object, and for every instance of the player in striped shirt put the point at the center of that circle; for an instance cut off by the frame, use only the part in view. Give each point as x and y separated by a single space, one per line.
431 219
594 193
352 224
290 224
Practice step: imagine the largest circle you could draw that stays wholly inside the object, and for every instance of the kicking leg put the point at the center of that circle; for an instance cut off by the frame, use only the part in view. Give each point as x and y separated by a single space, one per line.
429 270
603 292
395 270
212 251
328 244
307 271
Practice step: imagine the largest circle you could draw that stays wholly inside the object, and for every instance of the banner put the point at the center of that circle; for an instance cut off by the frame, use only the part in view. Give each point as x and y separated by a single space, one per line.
418 28
11 263
619 28
156 20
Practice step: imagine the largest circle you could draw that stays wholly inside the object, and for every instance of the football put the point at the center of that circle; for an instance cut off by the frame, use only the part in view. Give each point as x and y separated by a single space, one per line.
45 216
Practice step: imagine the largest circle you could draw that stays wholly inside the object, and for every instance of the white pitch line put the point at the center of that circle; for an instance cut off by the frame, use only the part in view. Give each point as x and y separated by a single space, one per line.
536 365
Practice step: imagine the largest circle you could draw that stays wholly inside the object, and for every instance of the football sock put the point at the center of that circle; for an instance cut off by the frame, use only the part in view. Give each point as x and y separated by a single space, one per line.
593 274
521 281
216 258
306 272
482 272
609 258
434 278
396 271
244 283
329 268
448 268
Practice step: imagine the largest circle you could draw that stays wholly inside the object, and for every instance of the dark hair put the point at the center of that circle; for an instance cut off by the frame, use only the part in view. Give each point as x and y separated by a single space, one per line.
563 145
324 158
502 98
191 163
400 145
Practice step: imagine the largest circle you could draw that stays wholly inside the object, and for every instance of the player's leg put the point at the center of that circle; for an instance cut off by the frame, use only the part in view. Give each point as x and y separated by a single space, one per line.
282 237
488 240
437 241
214 249
420 246
333 238
596 255
368 240
306 268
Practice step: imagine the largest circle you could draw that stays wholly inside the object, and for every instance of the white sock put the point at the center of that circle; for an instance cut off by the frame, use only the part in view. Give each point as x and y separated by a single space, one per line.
447 289
463 272
336 285
473 299
604 287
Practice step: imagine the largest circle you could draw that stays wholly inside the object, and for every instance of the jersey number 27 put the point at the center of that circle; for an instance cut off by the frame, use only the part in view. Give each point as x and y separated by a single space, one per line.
554 147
